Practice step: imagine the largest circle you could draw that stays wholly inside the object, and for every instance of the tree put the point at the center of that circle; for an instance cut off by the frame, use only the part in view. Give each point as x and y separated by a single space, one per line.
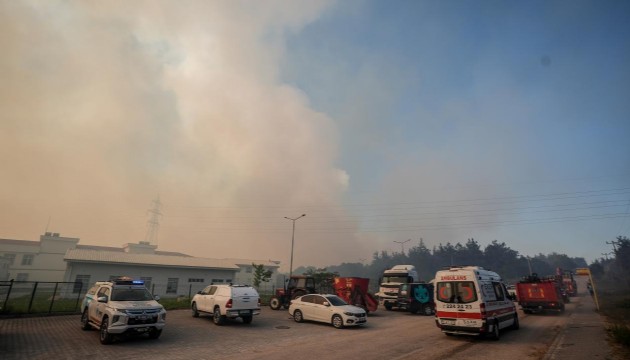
261 274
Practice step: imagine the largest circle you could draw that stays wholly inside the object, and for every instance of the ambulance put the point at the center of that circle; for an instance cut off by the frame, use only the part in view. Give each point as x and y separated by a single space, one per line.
470 300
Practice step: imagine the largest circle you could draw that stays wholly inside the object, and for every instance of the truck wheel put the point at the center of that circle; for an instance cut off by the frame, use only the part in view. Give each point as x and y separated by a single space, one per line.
217 318
494 335
104 336
195 312
154 333
297 316
247 319
388 306
427 310
85 320
337 321
275 303
413 309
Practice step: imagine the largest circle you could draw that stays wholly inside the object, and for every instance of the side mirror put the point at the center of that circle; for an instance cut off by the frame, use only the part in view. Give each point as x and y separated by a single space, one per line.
199 292
326 303
102 299
156 297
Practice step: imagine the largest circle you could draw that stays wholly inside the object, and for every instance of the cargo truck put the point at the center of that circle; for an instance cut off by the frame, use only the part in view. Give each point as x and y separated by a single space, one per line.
391 281
538 294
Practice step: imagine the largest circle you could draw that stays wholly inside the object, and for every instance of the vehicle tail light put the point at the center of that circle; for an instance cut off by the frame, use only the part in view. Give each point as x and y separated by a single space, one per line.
482 308
229 304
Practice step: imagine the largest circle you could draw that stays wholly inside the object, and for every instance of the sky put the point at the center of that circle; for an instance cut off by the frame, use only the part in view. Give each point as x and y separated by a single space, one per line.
384 122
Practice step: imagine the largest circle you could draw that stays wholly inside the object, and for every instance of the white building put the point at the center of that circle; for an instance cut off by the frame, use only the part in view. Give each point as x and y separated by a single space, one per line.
62 259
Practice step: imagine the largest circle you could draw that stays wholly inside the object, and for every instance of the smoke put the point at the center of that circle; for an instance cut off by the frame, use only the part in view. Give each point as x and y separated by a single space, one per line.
107 105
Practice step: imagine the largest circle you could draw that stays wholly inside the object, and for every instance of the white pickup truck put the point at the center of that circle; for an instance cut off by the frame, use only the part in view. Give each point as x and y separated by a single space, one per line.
227 301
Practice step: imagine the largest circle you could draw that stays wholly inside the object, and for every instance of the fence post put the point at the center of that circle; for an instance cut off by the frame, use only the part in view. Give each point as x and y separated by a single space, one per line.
52 301
78 297
6 300
189 290
30 304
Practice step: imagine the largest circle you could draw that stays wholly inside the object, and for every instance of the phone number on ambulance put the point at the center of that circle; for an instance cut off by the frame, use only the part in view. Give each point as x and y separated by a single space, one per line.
458 306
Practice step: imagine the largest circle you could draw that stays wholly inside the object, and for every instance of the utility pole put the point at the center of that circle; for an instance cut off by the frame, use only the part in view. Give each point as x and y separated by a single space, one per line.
153 224
402 244
292 242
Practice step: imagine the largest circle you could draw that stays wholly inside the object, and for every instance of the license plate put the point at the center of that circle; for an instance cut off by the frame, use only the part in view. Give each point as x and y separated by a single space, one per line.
141 330
244 312
447 322
142 317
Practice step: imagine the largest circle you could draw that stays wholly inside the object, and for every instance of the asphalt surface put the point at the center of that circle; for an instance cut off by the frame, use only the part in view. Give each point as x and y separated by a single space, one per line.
577 334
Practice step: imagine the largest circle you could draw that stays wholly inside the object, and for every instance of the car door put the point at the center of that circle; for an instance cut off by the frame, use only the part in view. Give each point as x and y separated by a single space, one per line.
98 308
202 299
321 312
210 298
306 307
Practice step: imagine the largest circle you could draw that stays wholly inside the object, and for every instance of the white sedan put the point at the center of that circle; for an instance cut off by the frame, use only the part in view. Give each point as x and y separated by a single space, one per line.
326 308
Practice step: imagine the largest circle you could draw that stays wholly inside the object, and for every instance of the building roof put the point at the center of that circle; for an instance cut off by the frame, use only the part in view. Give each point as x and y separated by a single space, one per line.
119 250
268 263
19 242
117 257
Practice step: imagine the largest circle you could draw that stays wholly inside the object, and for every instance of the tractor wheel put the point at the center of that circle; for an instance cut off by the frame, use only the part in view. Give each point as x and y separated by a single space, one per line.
275 303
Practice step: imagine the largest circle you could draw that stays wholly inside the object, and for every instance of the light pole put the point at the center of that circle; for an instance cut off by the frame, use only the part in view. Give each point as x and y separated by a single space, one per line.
292 242
529 263
402 244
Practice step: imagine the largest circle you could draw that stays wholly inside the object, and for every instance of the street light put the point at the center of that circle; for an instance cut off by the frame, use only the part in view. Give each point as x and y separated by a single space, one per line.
402 245
292 241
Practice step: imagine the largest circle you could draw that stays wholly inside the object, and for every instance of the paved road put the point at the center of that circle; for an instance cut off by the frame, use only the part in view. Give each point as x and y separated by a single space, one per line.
388 335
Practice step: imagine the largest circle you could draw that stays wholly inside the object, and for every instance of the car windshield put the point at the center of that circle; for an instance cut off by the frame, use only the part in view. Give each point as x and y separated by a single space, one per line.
131 295
395 279
336 301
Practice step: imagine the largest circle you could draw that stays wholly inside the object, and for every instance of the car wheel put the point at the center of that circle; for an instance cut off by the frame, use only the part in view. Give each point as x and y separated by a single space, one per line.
217 318
247 319
85 320
494 335
515 325
195 312
427 310
297 316
275 303
155 333
104 336
337 321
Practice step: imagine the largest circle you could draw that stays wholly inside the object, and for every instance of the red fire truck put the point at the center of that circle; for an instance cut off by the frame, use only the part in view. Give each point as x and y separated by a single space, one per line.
537 294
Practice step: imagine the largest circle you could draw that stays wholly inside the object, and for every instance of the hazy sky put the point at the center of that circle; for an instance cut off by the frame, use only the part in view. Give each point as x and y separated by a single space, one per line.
382 121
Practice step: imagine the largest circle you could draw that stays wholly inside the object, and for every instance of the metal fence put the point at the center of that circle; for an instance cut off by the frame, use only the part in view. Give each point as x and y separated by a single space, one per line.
40 297
43 297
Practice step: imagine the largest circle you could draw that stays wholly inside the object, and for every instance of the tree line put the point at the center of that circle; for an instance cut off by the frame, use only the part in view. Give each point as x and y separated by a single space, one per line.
496 256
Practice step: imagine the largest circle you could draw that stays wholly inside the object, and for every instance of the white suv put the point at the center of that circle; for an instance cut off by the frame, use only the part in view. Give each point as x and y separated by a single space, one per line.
227 301
122 306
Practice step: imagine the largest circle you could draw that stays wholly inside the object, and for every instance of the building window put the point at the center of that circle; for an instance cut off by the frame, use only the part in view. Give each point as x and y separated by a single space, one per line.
195 280
22 277
171 286
81 282
217 281
28 259
147 282
10 257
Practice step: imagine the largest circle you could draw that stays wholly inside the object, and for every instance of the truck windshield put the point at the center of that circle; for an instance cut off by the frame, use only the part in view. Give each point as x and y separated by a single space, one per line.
131 295
458 292
394 279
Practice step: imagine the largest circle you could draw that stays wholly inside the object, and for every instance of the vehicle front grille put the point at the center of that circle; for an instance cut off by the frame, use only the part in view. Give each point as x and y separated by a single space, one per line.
142 316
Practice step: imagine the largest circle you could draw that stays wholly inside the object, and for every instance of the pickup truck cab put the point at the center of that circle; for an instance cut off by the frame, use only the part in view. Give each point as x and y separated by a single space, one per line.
227 301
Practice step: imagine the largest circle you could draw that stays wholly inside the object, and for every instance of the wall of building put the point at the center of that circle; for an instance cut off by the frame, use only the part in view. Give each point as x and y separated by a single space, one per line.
188 280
